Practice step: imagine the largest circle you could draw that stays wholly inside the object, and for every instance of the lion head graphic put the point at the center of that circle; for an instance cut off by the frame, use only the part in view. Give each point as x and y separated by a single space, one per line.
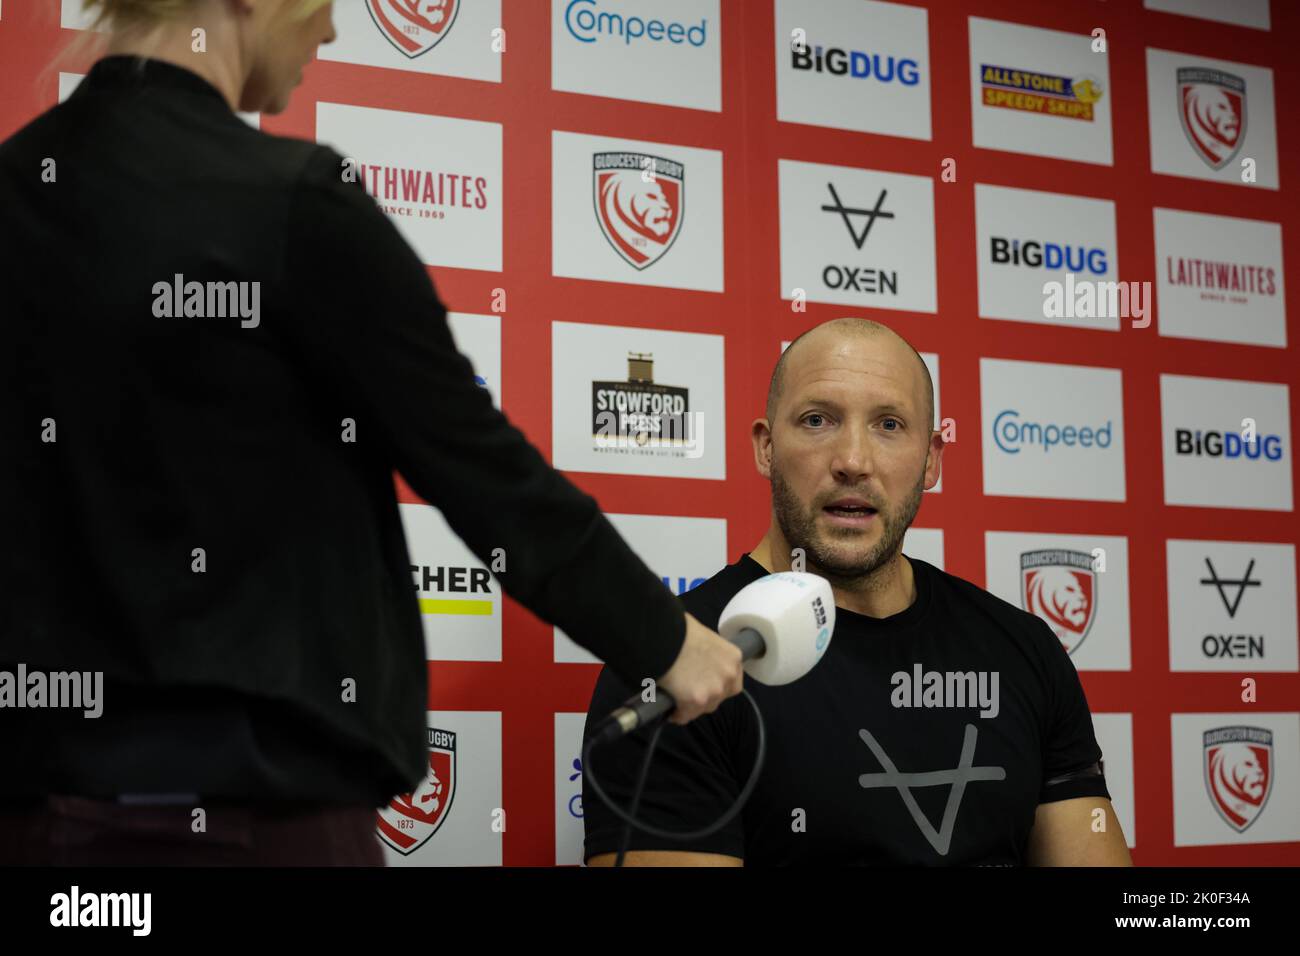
1213 122
1238 780
637 214
413 26
427 797
1237 774
429 14
1058 597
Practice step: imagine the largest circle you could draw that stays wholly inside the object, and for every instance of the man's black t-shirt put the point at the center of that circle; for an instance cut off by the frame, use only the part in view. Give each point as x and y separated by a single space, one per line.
852 776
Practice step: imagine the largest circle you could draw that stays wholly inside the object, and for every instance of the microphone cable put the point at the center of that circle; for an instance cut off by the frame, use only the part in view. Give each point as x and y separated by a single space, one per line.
629 816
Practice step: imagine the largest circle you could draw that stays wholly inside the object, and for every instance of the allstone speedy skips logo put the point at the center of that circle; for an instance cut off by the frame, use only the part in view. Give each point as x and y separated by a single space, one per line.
410 820
1032 91
1238 764
1041 92
1212 109
414 27
640 201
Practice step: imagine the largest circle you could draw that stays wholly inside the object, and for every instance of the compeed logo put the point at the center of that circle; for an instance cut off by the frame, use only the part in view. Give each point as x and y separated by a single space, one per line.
1060 586
1010 434
413 26
408 821
1212 109
640 201
1238 765
586 25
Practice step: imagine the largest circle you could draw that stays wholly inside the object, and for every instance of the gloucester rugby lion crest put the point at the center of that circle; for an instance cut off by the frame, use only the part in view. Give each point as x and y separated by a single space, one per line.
408 821
413 26
1060 586
1238 766
1212 109
639 201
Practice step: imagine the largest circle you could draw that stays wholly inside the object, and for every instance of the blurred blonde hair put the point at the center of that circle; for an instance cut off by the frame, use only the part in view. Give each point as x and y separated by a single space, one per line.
138 16
121 13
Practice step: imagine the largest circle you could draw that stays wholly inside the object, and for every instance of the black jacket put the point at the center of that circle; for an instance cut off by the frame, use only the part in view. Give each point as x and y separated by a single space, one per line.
180 433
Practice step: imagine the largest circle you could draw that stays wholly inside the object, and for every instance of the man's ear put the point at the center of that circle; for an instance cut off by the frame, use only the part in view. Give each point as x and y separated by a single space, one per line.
760 434
934 460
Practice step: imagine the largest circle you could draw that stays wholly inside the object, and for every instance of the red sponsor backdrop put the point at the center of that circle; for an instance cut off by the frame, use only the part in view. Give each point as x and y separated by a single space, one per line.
526 686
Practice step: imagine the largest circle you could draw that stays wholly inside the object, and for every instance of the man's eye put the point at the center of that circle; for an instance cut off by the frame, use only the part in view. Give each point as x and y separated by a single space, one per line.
896 422
810 419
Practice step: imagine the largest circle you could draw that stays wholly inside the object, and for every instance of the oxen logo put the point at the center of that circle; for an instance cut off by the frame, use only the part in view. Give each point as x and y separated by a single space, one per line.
1238 772
639 203
413 26
1060 587
408 821
1212 108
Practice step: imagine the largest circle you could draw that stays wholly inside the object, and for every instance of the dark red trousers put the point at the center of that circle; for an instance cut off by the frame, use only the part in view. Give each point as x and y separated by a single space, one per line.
76 831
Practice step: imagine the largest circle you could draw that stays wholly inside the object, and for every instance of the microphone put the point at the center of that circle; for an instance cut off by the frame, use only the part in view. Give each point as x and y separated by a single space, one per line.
782 624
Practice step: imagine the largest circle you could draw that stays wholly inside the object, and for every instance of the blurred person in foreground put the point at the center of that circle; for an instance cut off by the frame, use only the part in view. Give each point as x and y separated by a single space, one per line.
200 523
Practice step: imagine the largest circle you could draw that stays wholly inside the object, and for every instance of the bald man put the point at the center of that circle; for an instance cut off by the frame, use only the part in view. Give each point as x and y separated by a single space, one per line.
943 726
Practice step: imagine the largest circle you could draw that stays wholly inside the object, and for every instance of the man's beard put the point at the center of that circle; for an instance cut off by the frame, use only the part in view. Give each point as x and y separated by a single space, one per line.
799 525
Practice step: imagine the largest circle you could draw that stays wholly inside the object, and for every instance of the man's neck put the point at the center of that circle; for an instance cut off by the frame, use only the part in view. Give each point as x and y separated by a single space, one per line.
887 591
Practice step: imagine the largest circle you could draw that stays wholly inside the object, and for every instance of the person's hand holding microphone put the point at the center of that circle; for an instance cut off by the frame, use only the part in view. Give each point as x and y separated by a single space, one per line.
706 672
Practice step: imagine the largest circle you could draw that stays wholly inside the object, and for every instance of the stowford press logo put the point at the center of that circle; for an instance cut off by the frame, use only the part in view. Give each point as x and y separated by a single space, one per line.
1060 586
639 415
640 201
413 26
409 821
1212 109
1033 92
1238 763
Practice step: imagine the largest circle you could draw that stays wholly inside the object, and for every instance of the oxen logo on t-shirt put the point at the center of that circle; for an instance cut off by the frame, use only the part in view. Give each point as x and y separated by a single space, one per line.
408 821
1238 772
1060 586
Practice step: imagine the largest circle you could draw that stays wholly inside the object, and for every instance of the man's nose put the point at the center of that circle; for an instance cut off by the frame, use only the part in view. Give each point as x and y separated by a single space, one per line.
853 455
